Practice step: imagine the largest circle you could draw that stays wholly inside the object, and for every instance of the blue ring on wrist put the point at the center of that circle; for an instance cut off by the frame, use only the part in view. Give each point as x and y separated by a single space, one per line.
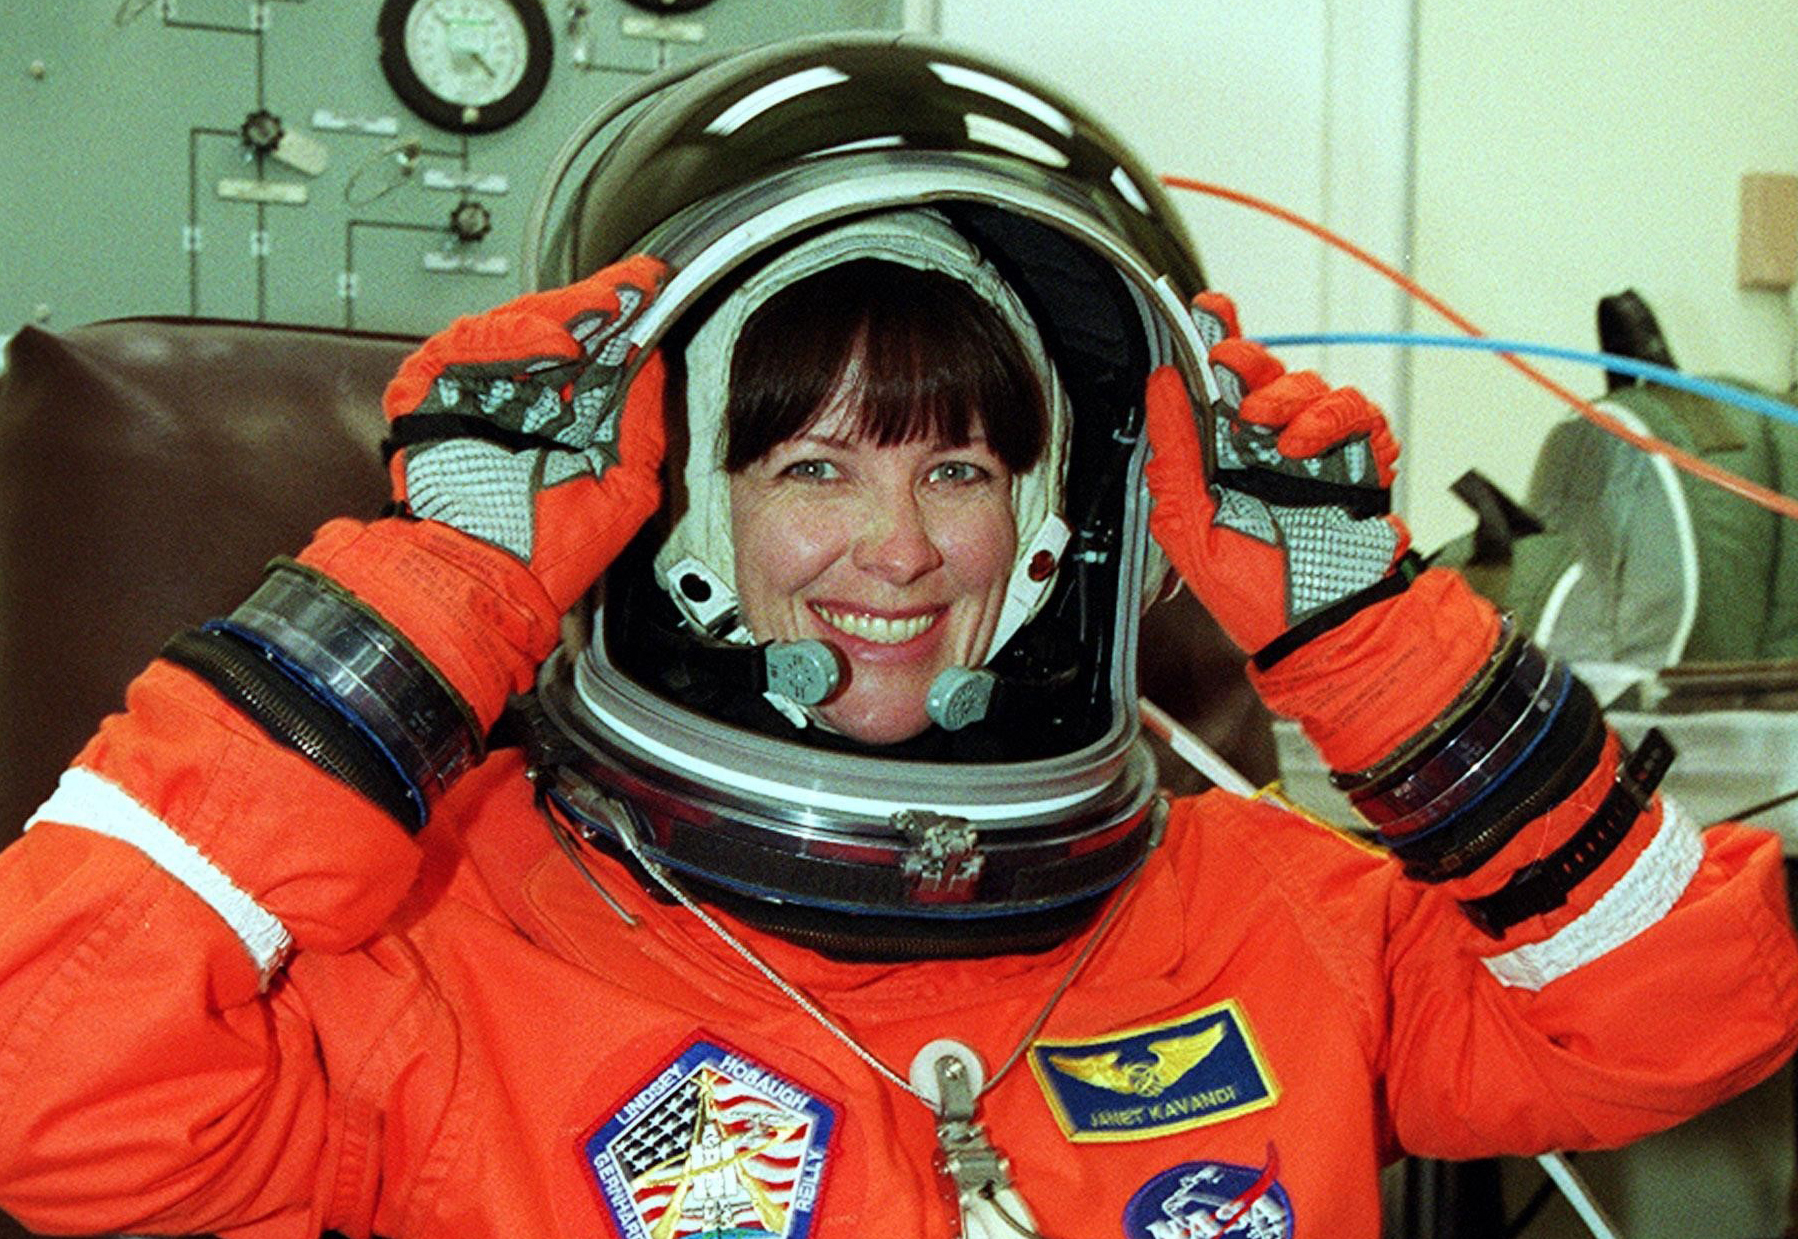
1569 751
1458 772
1456 812
350 659
313 687
1486 727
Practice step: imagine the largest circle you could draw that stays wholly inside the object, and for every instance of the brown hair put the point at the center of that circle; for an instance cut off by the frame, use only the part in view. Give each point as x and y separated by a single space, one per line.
935 361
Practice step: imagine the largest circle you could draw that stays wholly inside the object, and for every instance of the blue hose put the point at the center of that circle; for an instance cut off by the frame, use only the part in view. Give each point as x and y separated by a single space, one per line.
1754 402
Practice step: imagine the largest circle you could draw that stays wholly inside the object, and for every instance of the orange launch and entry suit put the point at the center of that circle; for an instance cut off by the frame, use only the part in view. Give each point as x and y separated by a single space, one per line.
236 997
455 1037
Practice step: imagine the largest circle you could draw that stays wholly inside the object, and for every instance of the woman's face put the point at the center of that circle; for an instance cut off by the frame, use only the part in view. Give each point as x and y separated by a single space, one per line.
898 556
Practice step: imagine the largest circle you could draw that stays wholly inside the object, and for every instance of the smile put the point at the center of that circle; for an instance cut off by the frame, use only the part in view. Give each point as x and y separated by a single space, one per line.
879 629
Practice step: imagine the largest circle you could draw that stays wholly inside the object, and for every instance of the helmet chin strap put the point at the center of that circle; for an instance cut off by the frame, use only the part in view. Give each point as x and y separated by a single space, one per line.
798 676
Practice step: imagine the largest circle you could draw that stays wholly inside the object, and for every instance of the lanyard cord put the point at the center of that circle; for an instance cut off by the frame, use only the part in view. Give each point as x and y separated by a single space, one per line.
804 1003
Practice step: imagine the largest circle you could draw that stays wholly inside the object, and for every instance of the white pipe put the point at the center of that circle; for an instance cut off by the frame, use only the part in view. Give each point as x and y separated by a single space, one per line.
1201 756
1578 1195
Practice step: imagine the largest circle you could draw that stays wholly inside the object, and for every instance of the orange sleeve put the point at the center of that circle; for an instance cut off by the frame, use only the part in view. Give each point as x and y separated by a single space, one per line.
157 1072
1624 1040
1666 982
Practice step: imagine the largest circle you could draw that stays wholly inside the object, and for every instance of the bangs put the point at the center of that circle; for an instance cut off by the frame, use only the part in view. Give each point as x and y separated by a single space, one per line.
921 355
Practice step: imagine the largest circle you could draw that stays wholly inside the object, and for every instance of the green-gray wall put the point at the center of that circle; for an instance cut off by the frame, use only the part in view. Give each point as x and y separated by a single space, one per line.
99 120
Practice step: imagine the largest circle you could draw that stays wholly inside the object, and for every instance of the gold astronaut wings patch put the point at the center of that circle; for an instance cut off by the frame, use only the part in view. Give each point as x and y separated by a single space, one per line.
1145 1082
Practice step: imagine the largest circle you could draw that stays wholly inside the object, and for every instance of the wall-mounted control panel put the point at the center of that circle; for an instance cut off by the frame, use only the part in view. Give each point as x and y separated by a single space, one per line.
362 163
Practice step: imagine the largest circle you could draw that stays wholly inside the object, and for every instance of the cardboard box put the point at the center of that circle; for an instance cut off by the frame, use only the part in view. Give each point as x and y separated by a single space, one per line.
1767 244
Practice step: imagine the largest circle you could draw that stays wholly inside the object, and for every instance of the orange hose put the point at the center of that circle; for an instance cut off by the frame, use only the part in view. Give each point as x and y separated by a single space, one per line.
1772 500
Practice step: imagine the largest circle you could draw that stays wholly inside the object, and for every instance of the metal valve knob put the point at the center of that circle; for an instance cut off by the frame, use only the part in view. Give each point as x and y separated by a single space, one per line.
262 131
470 221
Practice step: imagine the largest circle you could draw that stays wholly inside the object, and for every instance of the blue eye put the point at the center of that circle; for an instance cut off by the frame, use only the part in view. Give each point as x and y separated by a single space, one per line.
958 471
811 470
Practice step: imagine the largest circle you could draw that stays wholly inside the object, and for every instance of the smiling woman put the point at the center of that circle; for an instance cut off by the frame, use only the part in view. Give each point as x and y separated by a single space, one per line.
878 444
877 417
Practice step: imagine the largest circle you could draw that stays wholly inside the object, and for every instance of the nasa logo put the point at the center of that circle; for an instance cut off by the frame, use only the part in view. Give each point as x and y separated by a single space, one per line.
714 1144
1203 1200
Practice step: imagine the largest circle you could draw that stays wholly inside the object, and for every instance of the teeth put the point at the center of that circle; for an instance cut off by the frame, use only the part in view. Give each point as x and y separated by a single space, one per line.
876 628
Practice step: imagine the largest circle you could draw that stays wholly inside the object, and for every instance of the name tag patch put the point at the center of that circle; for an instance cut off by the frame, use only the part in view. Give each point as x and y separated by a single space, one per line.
714 1145
1154 1081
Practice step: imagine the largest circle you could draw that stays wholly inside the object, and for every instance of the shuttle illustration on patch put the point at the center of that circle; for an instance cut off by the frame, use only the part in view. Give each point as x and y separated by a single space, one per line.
1208 1200
713 1145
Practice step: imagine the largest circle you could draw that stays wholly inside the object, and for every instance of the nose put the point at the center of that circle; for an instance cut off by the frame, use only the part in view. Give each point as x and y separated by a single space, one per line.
896 543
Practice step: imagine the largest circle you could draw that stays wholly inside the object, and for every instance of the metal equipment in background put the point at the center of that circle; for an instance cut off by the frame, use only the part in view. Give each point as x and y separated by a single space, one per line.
301 161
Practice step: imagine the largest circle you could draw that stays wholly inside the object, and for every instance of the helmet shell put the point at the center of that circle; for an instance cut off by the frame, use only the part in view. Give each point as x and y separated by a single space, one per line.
722 165
836 100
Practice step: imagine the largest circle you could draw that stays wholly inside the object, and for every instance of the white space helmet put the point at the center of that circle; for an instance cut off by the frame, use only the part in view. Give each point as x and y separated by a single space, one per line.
1034 796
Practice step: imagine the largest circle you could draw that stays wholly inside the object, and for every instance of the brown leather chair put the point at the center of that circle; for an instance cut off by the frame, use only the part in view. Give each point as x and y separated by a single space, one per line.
152 466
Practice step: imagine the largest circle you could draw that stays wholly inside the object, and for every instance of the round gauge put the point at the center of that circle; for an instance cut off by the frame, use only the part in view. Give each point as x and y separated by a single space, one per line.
469 66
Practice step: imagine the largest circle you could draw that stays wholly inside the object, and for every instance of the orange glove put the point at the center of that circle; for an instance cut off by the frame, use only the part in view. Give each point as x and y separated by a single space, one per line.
1292 529
1293 519
497 431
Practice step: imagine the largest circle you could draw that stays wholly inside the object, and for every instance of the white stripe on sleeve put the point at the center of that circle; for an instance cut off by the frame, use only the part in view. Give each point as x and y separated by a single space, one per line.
83 798
1642 896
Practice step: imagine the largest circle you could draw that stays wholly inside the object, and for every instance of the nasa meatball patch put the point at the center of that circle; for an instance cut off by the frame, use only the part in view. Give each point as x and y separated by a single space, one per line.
1197 1200
714 1145
1155 1081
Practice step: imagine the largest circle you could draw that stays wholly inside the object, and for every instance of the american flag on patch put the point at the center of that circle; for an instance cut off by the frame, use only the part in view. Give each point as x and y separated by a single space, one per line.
722 1148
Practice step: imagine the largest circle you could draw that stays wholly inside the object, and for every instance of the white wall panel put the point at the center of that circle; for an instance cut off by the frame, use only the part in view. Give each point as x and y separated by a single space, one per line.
1566 152
1303 102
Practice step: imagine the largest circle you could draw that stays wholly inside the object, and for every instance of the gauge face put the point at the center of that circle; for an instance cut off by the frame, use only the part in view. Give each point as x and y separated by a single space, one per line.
466 65
470 52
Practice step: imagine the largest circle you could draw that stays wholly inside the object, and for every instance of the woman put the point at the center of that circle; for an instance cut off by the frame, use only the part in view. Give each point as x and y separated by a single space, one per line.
899 561
882 522
236 995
